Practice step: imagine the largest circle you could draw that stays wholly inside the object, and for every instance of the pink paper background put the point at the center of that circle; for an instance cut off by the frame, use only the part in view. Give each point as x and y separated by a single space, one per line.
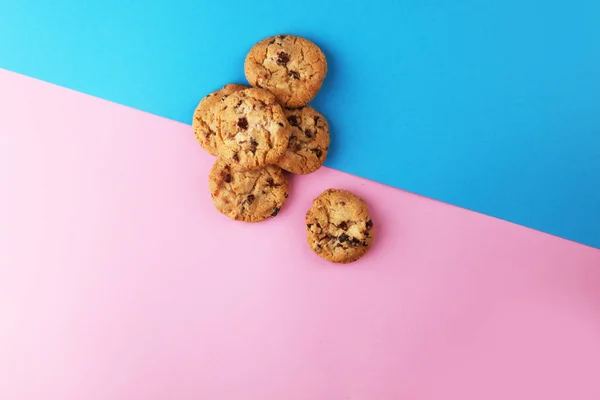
119 280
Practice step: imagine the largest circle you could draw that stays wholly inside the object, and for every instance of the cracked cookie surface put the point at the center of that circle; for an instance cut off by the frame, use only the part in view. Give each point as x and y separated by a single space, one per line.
252 129
309 141
250 196
291 67
338 226
204 121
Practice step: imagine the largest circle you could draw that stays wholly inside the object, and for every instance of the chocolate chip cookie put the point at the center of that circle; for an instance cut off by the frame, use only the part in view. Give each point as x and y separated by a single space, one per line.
249 196
291 67
338 226
309 141
252 129
205 121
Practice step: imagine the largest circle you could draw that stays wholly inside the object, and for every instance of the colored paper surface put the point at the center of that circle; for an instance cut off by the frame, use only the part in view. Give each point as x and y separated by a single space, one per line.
492 106
119 280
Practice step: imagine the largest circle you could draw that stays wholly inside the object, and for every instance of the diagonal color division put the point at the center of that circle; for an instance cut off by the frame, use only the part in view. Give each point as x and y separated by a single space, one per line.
493 106
119 280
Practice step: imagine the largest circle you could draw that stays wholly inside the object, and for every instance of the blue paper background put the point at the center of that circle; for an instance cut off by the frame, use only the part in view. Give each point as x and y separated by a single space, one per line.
489 105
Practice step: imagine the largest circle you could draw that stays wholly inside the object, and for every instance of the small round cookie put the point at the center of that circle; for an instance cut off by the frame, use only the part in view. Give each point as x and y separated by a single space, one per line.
291 67
338 226
249 196
205 121
309 141
252 129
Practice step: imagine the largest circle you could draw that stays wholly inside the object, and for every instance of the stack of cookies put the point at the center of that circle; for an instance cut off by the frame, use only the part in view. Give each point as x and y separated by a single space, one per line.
261 131
258 132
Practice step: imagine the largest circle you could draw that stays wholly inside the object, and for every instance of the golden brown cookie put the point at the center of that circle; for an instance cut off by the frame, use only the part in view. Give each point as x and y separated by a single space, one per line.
252 129
249 196
338 226
205 121
309 141
291 67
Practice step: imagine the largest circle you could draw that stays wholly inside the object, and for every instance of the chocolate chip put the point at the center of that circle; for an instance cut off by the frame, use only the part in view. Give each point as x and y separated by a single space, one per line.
271 41
309 226
319 225
365 244
318 152
294 75
293 120
343 238
369 224
297 147
243 123
227 177
272 183
343 225
308 133
236 158
253 145
316 119
250 198
282 36
280 123
355 242
275 212
283 58
238 104
258 85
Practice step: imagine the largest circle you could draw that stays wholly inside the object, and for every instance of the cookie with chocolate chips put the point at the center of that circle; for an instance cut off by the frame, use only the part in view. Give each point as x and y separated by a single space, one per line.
338 226
204 121
291 67
309 141
252 129
250 196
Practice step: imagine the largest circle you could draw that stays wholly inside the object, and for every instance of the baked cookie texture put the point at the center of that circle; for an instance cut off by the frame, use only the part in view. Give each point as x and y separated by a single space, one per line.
252 129
291 67
250 196
204 121
338 226
309 141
